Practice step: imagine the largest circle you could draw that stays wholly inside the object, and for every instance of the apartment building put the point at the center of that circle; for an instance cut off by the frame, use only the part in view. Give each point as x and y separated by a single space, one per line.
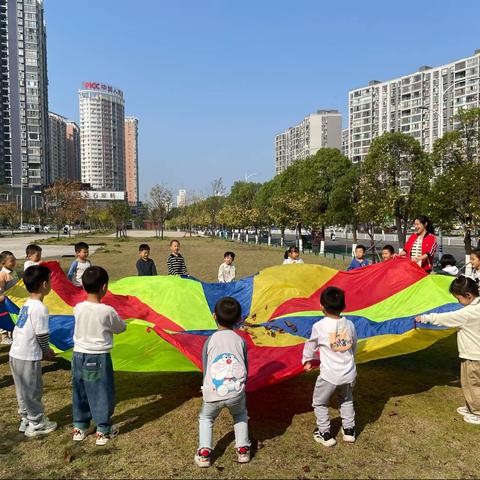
131 159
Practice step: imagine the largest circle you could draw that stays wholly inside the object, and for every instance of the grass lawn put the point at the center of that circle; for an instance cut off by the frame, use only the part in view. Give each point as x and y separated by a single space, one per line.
405 406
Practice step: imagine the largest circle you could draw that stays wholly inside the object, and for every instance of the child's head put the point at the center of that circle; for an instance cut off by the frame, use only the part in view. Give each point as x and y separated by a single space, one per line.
95 281
8 260
81 250
464 289
144 251
174 246
332 300
33 252
475 258
359 252
228 312
293 252
228 257
387 252
448 261
37 279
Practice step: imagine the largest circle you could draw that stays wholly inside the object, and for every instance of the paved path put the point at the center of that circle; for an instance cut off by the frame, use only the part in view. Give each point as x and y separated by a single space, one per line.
151 234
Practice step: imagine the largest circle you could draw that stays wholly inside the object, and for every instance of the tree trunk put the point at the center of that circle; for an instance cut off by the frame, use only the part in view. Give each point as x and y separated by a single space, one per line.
354 232
282 237
401 231
371 234
467 240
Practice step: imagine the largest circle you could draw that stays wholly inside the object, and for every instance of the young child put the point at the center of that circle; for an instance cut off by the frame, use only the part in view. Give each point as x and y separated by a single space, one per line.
34 255
226 272
8 278
467 321
145 265
79 265
475 261
92 371
336 340
388 252
449 265
359 261
176 263
225 370
30 345
292 255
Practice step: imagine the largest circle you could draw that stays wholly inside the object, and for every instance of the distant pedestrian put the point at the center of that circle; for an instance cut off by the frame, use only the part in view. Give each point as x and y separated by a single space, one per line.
176 263
145 265
226 271
292 255
359 261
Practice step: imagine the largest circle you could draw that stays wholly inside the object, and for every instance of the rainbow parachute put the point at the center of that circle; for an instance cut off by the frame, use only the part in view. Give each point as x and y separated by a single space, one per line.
169 318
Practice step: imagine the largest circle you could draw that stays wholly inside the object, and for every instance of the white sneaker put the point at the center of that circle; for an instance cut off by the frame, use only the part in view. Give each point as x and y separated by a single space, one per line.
463 410
472 418
324 438
203 458
6 341
42 428
348 434
79 434
23 424
104 438
243 454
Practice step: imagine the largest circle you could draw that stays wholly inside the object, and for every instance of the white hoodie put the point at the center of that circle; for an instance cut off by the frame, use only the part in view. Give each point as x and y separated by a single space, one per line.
451 270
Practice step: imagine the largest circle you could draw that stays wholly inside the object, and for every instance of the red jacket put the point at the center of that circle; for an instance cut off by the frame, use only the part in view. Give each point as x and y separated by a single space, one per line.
429 247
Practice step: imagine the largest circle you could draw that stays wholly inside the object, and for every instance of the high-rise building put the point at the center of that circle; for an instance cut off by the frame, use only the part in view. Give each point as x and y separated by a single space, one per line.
322 129
24 139
131 159
345 142
181 198
58 169
421 104
102 134
73 152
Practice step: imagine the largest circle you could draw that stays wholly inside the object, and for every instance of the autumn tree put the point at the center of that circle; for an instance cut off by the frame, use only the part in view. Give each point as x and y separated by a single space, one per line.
159 205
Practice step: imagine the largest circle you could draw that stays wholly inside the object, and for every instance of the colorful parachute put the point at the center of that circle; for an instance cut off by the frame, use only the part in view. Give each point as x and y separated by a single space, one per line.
170 317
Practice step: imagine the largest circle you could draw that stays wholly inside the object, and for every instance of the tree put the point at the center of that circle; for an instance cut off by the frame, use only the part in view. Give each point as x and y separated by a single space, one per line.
218 187
119 214
160 203
10 214
212 206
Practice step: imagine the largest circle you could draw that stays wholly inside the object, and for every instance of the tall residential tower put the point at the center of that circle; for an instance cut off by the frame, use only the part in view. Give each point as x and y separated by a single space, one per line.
131 159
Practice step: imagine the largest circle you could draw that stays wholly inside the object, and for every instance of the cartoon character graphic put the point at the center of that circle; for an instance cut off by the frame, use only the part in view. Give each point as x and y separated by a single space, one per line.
227 374
340 340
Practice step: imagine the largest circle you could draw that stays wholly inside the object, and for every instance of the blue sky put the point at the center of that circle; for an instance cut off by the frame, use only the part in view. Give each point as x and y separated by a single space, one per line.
212 81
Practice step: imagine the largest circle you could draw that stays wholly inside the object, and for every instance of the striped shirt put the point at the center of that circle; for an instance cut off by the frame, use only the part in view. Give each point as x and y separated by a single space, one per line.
176 265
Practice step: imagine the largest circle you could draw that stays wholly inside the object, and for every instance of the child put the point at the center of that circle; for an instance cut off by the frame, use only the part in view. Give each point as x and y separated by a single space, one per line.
388 252
176 263
79 265
467 321
292 255
336 339
8 278
449 265
226 272
145 265
34 255
92 371
224 375
475 261
359 261
30 345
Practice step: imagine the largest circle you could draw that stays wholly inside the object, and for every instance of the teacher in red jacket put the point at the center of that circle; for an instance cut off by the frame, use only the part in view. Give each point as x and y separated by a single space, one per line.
422 245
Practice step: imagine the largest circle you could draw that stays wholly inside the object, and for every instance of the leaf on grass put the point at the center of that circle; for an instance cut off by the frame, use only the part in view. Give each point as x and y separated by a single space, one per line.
67 456
392 414
306 468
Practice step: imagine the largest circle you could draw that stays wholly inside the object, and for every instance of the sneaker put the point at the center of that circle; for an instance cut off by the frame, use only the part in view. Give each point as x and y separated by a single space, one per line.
104 438
42 428
472 418
324 438
79 434
463 410
203 457
243 454
348 434
6 341
23 425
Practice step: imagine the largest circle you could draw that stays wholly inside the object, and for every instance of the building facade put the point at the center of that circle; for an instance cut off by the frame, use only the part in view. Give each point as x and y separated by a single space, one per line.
322 129
73 152
345 137
131 159
58 169
181 198
102 136
421 104
24 138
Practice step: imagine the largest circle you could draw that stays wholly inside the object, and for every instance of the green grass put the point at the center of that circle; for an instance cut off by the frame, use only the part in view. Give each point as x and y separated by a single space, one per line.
405 411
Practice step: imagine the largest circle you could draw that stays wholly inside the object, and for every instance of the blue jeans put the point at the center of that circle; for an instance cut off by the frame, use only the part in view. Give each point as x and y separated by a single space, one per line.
93 391
237 406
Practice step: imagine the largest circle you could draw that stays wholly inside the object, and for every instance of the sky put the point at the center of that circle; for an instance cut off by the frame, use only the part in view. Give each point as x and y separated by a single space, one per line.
213 81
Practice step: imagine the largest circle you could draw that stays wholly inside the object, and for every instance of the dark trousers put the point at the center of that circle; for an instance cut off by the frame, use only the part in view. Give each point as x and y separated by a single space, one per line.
93 391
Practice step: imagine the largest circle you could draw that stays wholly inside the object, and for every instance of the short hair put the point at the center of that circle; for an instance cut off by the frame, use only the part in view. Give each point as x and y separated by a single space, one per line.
94 278
463 285
333 300
361 247
389 248
228 312
4 255
34 276
33 248
229 254
290 250
81 246
174 241
143 246
447 260
476 252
